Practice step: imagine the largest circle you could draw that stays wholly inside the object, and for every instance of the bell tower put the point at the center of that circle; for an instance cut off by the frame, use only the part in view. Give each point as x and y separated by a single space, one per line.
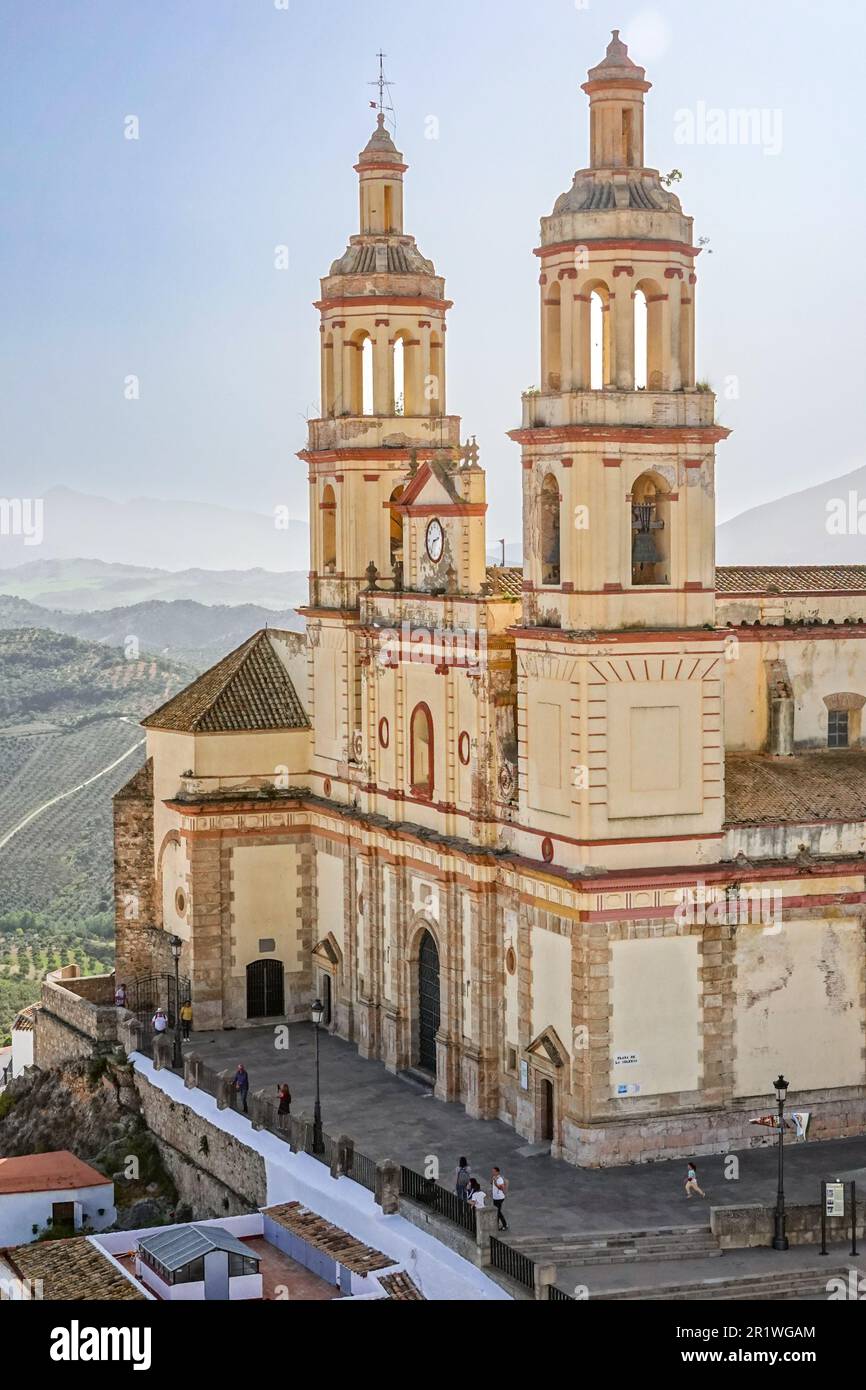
382 348
618 454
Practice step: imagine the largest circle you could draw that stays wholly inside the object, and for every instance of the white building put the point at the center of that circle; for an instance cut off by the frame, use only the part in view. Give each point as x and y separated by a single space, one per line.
197 1262
22 1040
41 1192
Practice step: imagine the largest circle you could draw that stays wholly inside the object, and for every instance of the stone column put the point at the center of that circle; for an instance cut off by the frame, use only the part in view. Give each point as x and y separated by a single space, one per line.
387 1193
485 1227
622 336
544 1276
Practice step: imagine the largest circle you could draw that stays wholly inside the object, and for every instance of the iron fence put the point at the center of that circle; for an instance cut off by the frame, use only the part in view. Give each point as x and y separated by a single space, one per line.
555 1295
364 1171
512 1263
429 1193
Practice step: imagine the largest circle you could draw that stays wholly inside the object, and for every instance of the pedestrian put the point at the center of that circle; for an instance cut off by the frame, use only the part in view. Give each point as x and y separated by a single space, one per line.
242 1085
475 1196
186 1019
498 1193
284 1106
692 1182
462 1178
159 1021
120 996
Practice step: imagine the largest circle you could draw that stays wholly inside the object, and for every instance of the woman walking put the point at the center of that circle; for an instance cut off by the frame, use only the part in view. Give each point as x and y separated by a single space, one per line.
464 1177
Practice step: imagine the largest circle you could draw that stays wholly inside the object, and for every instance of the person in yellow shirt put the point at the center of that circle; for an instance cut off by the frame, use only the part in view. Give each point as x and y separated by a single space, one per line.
185 1019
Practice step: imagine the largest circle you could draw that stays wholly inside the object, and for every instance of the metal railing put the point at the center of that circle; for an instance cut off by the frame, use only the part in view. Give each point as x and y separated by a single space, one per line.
363 1171
512 1263
555 1295
429 1193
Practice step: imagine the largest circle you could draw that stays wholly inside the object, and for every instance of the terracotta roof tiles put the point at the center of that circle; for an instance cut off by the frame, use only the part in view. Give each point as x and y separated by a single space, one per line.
72 1269
249 689
790 579
811 786
50 1172
322 1235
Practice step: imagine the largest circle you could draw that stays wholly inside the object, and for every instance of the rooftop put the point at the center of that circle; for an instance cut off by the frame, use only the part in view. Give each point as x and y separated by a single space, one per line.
352 1254
249 689
790 579
811 786
72 1269
179 1245
51 1172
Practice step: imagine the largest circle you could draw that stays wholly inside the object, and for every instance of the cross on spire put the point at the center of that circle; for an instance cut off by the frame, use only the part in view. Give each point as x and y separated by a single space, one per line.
384 89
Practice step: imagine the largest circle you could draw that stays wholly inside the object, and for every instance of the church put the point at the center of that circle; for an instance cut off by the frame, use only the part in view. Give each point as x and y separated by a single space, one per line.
582 843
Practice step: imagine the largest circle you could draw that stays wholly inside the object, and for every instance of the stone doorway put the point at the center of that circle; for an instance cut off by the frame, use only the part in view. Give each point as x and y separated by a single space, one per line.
429 1006
265 989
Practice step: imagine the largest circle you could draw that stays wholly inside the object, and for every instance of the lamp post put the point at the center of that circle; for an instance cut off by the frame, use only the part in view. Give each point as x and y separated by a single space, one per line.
176 947
318 1011
780 1240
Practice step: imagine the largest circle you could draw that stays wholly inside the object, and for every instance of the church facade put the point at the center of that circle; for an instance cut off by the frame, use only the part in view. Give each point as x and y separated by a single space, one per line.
581 842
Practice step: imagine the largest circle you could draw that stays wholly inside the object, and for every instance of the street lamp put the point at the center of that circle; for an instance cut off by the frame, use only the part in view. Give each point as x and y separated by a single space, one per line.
176 947
318 1012
780 1240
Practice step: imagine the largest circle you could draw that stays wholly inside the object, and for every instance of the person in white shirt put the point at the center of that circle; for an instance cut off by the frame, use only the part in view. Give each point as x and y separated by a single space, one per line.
498 1193
474 1194
159 1021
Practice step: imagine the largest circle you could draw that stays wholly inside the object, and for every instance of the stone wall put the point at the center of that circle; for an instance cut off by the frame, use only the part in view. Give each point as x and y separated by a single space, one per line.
738 1228
74 1020
238 1171
134 906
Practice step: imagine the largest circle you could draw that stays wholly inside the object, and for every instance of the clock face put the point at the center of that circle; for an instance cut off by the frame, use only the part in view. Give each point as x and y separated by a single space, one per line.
435 540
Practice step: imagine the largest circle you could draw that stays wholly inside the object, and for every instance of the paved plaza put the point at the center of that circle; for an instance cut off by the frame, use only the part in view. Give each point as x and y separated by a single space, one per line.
394 1117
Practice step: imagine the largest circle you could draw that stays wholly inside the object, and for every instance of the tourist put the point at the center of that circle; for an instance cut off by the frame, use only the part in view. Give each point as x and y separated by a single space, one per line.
463 1178
186 1019
284 1106
159 1021
692 1182
498 1193
475 1195
242 1085
120 996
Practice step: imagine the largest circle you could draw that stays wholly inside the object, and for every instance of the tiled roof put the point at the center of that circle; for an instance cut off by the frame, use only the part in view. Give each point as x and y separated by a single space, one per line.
51 1172
401 1288
25 1021
811 786
322 1235
790 579
72 1269
507 580
249 689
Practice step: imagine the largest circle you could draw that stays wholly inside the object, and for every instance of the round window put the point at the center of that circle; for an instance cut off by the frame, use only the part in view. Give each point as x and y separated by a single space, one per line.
511 960
464 748
384 733
547 849
180 902
327 786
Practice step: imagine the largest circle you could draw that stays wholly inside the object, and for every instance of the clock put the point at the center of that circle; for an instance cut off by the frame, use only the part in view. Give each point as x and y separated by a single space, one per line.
435 540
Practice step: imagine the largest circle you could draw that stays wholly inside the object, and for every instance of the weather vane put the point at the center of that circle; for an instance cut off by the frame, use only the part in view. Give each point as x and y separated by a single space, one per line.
384 86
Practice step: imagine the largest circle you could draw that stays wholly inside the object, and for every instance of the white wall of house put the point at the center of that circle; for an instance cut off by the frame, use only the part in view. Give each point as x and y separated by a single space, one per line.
22 1049
21 1211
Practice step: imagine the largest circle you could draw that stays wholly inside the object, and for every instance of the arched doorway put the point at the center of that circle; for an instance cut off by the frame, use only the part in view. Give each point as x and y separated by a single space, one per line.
265 989
428 1002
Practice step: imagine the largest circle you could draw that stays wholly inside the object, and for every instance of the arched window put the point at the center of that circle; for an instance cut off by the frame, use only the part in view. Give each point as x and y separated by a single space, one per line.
650 531
329 530
598 342
399 359
435 387
421 751
550 567
389 208
640 341
395 521
328 404
553 338
367 376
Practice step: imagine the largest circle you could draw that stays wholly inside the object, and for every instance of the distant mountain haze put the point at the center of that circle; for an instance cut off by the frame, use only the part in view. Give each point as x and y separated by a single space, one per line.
93 585
823 525
147 531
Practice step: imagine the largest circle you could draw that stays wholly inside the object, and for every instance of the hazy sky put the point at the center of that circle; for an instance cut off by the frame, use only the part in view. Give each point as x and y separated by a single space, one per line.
155 257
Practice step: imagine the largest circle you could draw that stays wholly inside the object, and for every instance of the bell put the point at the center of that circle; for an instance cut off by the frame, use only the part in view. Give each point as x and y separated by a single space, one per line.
643 551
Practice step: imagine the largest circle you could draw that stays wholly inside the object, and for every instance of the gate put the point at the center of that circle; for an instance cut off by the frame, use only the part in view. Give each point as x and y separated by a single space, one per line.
428 1003
151 992
265 989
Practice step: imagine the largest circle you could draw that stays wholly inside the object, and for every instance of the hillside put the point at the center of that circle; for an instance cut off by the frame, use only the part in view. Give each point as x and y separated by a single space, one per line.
95 585
69 738
195 634
799 529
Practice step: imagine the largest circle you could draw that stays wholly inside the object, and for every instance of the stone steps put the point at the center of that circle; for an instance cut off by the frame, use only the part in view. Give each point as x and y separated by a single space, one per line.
774 1285
621 1247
